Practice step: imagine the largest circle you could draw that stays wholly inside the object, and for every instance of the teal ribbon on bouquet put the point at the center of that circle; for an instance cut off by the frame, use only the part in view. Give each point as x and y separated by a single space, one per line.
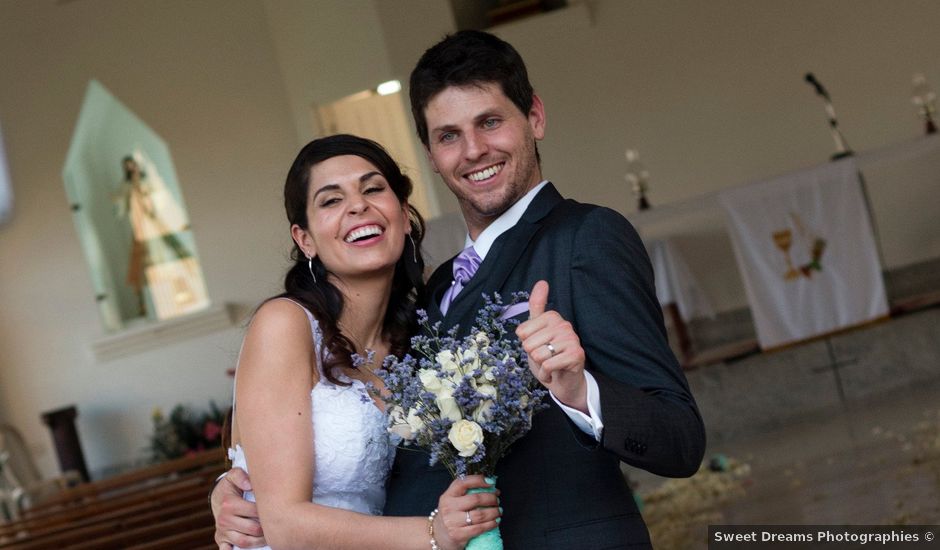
490 540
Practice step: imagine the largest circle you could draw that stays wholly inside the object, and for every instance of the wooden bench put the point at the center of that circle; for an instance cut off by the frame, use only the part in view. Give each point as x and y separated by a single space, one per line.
164 504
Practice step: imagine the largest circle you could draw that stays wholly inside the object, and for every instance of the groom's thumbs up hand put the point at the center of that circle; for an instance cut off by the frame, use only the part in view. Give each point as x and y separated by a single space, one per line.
556 357
538 299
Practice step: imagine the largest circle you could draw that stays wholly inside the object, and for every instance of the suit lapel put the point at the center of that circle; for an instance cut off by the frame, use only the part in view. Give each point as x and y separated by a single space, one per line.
437 285
501 260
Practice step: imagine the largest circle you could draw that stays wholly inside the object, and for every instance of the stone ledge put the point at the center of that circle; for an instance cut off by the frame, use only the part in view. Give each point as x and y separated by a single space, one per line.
151 336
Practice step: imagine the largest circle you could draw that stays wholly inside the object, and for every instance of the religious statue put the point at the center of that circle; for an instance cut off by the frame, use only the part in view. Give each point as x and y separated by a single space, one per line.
157 222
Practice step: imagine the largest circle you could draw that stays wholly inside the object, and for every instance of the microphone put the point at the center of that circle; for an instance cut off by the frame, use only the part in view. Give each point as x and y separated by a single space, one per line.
819 87
842 148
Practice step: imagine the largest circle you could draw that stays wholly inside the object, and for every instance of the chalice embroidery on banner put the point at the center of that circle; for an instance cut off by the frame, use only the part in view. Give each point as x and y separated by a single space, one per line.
806 239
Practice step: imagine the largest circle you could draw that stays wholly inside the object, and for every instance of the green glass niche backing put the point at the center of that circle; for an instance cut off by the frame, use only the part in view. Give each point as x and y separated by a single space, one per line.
130 216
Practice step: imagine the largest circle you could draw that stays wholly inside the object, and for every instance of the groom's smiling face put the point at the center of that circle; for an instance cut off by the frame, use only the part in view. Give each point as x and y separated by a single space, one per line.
483 147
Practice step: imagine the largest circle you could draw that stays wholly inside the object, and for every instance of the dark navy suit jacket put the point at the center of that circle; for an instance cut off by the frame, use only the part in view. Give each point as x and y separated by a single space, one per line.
559 487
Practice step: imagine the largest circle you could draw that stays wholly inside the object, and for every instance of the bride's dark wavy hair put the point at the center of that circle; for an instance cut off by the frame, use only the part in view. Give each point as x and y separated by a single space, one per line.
322 298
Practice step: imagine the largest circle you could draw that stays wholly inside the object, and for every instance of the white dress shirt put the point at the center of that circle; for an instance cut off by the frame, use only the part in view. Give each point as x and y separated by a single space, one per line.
591 423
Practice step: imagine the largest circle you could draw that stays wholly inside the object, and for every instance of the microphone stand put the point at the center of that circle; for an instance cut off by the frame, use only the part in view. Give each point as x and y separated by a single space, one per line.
842 148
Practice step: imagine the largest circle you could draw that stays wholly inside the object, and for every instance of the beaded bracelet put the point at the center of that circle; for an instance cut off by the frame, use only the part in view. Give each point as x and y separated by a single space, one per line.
434 545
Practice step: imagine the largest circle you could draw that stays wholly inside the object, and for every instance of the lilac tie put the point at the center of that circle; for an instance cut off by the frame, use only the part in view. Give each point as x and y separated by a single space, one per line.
465 265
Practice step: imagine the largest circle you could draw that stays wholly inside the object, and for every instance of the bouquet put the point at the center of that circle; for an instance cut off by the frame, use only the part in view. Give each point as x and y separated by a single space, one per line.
466 399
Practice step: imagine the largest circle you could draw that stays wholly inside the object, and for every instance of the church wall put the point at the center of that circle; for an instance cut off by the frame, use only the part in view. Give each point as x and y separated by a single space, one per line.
711 94
203 75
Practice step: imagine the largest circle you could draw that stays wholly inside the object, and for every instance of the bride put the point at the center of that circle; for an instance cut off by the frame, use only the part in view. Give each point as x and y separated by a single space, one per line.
305 424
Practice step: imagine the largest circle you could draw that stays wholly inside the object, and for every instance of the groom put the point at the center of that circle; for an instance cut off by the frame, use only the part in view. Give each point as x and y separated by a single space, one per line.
599 346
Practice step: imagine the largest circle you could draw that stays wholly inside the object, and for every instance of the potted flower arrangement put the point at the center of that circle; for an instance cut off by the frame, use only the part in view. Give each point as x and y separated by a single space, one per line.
185 431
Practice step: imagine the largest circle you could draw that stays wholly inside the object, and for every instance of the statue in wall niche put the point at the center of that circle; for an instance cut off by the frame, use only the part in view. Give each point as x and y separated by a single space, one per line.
130 216
158 256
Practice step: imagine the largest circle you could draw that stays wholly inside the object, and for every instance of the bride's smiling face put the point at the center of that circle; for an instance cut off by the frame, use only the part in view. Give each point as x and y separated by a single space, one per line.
355 223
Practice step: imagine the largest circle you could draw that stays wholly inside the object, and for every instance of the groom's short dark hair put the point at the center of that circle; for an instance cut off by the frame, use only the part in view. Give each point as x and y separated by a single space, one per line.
468 58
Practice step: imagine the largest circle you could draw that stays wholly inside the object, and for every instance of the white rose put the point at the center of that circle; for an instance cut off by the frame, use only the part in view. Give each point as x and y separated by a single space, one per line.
448 361
471 356
489 373
455 377
481 339
475 365
415 421
448 405
429 380
487 389
398 425
484 411
465 436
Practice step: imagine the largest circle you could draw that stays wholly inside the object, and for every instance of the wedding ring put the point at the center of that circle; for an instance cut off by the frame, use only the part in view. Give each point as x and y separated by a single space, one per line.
551 349
469 521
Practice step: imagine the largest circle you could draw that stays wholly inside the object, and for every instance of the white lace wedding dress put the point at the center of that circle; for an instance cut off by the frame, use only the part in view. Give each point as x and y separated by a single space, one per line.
353 449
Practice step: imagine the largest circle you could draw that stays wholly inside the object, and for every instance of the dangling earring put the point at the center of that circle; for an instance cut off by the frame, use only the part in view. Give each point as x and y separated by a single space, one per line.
414 269
414 249
310 268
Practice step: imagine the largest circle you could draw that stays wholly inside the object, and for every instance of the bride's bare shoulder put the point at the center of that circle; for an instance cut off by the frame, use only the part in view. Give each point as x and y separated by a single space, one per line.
279 328
280 315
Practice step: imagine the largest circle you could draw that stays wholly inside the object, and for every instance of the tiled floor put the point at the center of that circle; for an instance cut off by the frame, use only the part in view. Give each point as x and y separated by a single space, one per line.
876 463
